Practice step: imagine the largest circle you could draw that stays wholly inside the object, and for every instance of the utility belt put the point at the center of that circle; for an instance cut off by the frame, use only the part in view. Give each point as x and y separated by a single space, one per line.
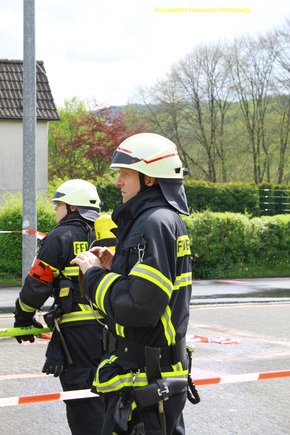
137 352
158 389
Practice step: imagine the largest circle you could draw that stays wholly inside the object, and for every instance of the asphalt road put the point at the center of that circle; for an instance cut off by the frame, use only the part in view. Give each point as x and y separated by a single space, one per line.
204 292
230 338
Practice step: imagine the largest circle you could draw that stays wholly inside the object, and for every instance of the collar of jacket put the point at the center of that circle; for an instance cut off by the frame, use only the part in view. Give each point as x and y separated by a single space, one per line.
74 216
129 211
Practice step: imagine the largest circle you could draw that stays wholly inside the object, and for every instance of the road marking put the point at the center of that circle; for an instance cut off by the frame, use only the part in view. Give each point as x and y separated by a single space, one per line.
262 355
240 334
22 376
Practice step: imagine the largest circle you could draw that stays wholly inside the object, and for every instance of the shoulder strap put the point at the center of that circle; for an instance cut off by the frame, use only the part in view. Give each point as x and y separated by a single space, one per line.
86 227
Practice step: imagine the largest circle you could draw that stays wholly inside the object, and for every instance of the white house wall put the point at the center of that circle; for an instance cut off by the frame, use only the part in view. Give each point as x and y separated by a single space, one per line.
11 161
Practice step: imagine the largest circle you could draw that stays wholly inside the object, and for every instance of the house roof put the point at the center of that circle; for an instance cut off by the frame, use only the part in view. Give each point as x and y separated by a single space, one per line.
11 92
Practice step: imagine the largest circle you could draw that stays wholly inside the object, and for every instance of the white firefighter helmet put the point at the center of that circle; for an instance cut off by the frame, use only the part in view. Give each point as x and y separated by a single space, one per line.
155 156
150 154
80 193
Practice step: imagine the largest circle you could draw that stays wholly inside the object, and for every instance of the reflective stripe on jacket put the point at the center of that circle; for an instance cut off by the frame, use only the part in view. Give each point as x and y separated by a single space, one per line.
131 379
85 313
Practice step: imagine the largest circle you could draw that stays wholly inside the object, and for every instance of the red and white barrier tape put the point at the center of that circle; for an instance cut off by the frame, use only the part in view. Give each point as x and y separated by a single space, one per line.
82 394
230 379
39 235
47 397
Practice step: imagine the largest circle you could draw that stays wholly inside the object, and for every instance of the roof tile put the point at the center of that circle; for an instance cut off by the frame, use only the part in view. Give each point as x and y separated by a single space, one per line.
11 92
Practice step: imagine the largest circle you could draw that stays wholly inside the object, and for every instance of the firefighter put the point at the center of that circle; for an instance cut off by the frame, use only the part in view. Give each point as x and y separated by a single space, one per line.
144 292
75 348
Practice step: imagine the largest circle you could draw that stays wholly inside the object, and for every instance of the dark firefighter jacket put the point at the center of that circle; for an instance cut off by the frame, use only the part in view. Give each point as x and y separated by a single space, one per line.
145 297
53 275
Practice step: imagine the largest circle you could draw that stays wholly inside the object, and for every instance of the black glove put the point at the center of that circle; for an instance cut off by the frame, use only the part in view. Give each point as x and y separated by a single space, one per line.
54 364
23 318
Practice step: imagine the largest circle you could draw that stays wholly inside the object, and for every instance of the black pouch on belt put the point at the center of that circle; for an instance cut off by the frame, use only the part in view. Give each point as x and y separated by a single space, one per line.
66 295
159 389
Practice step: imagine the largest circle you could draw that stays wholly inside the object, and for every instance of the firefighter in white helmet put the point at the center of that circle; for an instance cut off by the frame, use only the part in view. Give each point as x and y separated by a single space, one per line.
144 293
77 206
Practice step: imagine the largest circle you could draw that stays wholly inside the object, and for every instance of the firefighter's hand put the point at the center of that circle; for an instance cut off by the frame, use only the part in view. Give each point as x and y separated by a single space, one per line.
23 319
54 363
105 256
50 369
86 260
33 322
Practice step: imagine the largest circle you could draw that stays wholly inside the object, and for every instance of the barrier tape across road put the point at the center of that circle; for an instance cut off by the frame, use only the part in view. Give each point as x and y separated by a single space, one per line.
39 234
82 394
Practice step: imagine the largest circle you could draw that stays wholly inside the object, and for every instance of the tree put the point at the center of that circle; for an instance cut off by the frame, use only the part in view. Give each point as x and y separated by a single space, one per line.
227 107
63 157
190 108
203 82
279 44
81 145
163 112
251 65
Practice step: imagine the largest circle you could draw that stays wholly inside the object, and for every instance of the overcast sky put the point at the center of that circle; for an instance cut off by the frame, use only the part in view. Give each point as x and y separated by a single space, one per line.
105 50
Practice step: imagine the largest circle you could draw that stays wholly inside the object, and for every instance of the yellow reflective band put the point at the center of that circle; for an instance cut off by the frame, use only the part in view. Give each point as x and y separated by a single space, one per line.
71 271
86 313
120 330
78 316
102 289
127 380
54 269
86 308
183 246
169 330
153 275
183 280
25 307
80 247
178 367
121 381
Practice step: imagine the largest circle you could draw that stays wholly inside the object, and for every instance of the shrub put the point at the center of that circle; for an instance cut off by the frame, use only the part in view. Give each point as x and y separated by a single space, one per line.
11 220
224 243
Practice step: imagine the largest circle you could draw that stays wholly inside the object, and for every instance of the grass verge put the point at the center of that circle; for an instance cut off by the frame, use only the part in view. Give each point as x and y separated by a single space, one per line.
8 280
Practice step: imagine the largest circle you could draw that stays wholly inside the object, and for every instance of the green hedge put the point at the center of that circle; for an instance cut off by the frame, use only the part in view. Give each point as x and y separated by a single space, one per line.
251 199
233 197
223 244
231 245
201 196
11 220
